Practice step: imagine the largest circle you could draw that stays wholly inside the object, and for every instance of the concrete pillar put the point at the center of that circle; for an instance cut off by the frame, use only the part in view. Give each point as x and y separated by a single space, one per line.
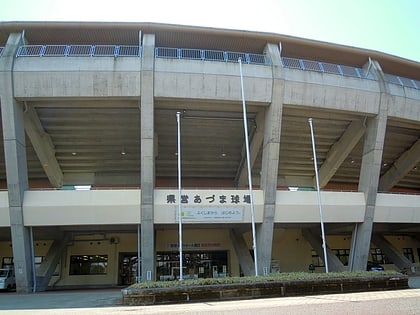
16 167
369 176
270 162
147 175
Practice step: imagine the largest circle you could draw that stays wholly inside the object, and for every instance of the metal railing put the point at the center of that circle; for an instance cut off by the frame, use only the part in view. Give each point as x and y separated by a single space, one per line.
204 54
318 66
211 55
1 50
395 79
78 51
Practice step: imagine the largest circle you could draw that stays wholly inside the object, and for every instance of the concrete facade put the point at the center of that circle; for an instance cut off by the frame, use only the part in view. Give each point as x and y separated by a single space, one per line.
108 121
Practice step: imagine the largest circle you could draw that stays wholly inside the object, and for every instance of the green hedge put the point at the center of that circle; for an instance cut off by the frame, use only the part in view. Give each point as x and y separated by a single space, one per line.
292 276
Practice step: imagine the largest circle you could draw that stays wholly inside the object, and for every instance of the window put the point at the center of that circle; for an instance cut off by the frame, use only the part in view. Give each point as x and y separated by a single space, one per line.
408 252
7 262
88 265
379 257
205 264
343 255
316 260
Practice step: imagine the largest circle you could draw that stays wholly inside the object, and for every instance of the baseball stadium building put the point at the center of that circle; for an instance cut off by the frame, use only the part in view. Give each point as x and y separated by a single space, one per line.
126 144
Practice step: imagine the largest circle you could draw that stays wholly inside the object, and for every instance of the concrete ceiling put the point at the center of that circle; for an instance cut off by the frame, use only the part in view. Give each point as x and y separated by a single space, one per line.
98 142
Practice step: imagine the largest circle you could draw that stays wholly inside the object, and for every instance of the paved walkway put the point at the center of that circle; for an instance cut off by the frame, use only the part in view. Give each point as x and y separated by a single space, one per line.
399 302
95 302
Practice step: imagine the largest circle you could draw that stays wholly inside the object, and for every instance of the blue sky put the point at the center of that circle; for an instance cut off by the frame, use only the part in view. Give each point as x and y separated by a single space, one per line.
389 26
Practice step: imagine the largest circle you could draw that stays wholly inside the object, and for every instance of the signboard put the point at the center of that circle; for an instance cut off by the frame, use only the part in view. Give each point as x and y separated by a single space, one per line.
212 214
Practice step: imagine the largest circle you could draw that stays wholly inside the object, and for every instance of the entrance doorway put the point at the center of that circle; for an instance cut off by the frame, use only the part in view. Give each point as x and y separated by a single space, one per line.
127 270
196 264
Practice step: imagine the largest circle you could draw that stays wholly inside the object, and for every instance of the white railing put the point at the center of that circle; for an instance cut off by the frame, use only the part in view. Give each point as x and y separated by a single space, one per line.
318 66
78 51
211 55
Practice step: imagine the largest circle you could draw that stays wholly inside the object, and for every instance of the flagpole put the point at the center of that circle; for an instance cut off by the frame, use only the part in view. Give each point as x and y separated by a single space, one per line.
178 120
324 245
248 160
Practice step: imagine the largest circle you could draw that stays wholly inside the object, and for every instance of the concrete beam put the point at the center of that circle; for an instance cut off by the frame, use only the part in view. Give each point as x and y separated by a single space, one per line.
49 264
398 259
242 251
254 148
334 264
43 146
340 150
401 167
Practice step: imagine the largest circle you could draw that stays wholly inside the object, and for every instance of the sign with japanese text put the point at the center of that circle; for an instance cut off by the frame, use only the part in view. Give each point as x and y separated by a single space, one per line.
210 199
211 214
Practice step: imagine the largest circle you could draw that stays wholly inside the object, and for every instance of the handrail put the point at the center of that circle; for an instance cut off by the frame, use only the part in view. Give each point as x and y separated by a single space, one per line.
211 55
318 66
78 51
395 79
312 65
205 54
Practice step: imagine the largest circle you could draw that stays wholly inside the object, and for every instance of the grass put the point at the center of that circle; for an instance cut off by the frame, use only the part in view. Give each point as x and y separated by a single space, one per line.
291 276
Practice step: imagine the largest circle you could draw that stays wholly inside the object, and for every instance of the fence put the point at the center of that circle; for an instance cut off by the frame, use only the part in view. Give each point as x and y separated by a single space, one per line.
312 65
204 54
211 55
78 51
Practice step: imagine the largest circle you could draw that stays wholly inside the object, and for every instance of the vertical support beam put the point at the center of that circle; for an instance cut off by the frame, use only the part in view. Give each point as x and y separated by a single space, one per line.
369 176
270 162
16 166
147 176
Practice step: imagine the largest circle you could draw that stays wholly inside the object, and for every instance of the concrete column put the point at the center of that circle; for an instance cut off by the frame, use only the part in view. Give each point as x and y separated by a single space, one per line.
16 167
270 162
147 175
369 176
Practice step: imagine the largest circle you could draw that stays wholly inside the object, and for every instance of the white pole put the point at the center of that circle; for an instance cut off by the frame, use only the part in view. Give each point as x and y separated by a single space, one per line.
324 245
178 120
248 160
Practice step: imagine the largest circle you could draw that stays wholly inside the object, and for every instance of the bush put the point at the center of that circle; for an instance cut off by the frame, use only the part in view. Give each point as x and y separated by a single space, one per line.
292 276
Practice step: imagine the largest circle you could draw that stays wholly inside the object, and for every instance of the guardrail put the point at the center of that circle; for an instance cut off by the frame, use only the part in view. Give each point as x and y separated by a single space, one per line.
395 79
211 55
312 65
78 51
204 54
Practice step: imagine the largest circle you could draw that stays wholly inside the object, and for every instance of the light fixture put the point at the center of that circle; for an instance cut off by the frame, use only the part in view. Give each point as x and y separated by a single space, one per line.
123 152
82 187
74 153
